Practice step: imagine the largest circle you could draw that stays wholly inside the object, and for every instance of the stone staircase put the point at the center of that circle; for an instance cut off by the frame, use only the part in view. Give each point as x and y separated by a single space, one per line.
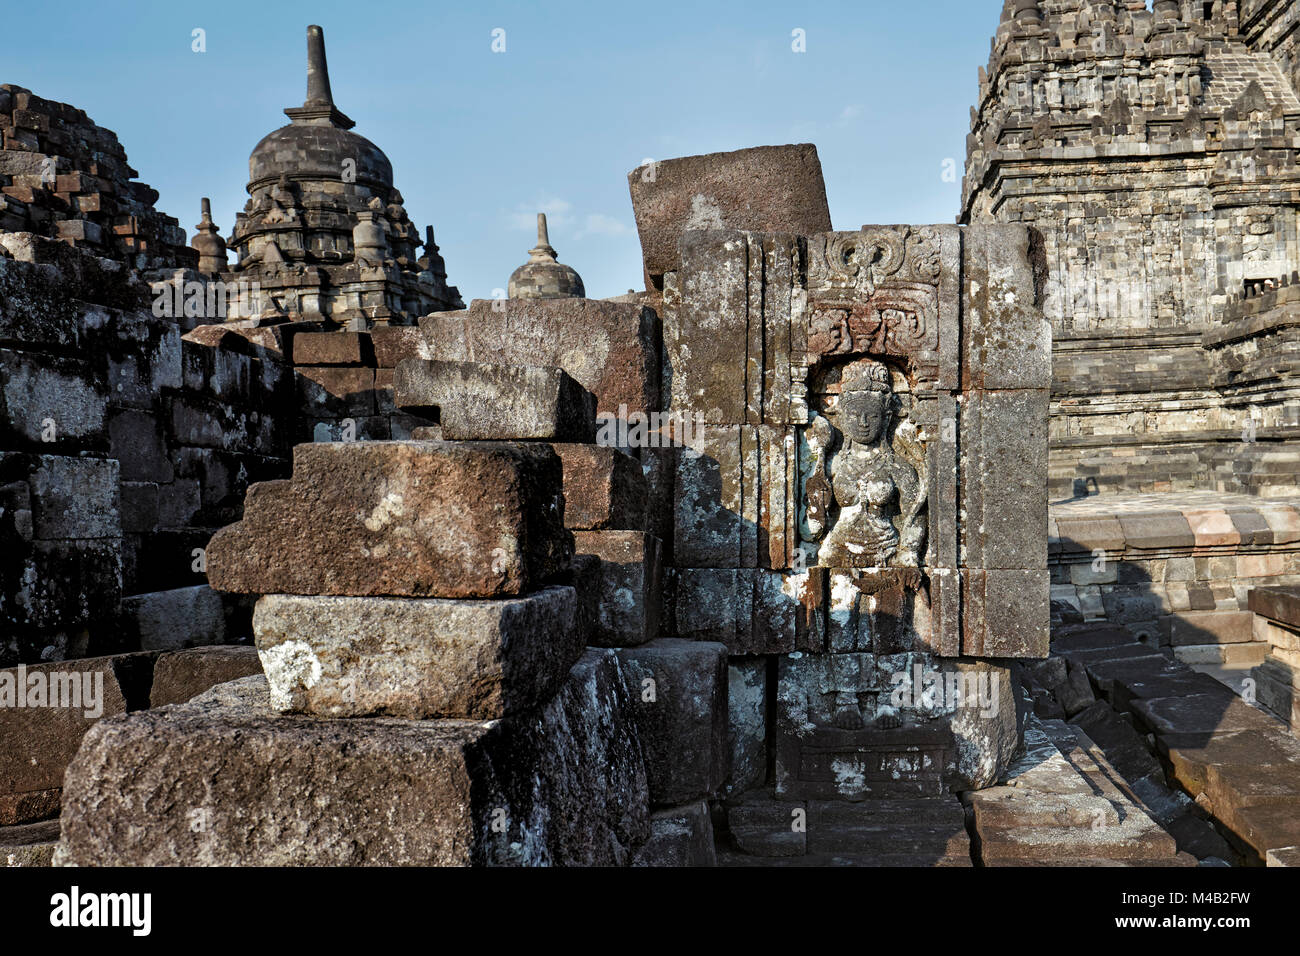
1239 764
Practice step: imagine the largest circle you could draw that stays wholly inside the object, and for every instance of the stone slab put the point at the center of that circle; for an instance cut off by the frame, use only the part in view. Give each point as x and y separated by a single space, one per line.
610 347
416 658
680 692
402 519
764 189
479 401
245 786
179 676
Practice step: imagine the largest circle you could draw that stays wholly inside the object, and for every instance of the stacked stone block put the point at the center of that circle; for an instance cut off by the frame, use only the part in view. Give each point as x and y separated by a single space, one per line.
1276 624
679 688
427 697
65 178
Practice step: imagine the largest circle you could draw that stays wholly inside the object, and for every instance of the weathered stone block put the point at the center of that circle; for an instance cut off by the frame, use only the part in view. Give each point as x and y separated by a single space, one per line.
752 611
47 401
72 497
715 511
567 781
603 488
416 658
680 693
762 826
135 439
764 189
327 392
1005 613
1004 479
612 348
44 711
482 401
179 676
407 519
331 348
858 725
176 618
1007 340
679 836
630 605
64 583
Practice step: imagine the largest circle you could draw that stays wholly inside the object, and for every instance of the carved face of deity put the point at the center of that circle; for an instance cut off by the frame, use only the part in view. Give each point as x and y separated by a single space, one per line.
864 415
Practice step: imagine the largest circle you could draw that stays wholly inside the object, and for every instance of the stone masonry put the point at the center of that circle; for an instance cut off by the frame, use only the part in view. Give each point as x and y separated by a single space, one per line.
309 563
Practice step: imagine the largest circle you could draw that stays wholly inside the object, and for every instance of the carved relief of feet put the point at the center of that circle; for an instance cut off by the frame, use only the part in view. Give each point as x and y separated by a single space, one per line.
849 719
888 720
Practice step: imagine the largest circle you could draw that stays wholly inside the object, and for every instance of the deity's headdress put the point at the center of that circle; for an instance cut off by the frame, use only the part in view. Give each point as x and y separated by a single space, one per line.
867 376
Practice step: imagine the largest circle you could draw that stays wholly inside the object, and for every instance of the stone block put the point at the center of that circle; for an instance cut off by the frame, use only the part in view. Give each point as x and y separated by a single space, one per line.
1004 479
611 348
764 189
630 586
174 619
393 343
926 831
765 827
72 498
564 785
680 693
679 836
139 509
35 307
65 583
1154 530
179 676
1090 533
956 725
1194 718
1005 613
48 401
332 348
44 711
1211 627
30 844
135 439
752 611
1281 604
715 510
403 519
329 392
481 401
604 488
1006 338
416 658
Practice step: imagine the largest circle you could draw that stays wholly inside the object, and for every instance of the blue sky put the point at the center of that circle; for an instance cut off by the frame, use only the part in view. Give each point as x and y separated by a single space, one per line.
583 93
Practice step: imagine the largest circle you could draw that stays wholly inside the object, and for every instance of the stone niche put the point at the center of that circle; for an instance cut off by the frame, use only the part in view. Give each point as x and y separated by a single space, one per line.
873 464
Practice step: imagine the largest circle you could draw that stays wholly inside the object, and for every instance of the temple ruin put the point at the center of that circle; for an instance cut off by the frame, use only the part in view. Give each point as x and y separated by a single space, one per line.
960 545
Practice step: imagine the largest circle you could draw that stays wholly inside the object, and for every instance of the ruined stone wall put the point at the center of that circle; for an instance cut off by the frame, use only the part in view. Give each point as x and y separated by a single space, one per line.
64 177
124 446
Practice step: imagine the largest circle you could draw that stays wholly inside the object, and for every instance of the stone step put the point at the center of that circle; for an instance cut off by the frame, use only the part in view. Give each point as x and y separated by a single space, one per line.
1063 801
933 827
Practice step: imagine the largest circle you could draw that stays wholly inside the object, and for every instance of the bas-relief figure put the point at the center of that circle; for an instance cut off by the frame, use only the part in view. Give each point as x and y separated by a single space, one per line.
864 506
